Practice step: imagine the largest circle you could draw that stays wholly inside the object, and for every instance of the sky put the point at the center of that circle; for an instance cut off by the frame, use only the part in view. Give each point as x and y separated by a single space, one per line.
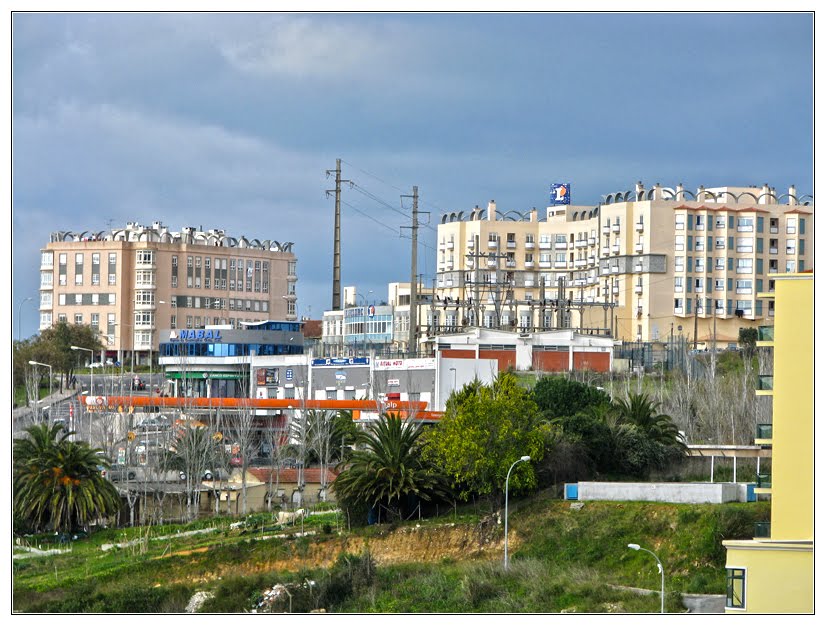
231 120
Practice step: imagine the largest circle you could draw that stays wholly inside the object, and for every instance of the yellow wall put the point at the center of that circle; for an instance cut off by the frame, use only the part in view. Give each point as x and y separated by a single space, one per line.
793 409
778 579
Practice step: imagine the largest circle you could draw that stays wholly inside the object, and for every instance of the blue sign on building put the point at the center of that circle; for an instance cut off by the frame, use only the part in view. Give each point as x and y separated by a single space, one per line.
561 193
353 360
288 374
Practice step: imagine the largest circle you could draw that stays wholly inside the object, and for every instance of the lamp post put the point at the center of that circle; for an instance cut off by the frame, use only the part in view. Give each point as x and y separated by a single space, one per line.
91 384
636 546
507 478
50 378
19 313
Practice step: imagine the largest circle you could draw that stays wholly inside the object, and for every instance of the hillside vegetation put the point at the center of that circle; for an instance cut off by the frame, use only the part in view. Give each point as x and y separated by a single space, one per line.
565 558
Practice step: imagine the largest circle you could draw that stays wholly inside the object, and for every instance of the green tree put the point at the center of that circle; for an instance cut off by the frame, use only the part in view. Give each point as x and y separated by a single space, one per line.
642 412
57 482
748 339
558 396
54 347
387 468
485 429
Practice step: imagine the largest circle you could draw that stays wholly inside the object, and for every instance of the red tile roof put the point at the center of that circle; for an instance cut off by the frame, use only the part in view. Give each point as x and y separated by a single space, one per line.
312 475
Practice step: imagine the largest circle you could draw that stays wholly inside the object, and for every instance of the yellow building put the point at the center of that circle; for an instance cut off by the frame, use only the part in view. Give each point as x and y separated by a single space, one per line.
774 573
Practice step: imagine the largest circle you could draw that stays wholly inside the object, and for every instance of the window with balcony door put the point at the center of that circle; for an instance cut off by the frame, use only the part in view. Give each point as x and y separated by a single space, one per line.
678 284
745 244
791 225
679 242
745 224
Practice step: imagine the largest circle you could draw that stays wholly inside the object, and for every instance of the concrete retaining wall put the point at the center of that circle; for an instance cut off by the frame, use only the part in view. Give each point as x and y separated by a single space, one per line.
684 493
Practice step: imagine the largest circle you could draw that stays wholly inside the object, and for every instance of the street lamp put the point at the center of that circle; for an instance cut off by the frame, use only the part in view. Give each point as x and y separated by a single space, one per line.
91 383
19 313
50 376
636 546
507 478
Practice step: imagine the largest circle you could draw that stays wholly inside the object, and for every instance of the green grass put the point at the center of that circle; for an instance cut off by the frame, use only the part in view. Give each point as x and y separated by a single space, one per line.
563 559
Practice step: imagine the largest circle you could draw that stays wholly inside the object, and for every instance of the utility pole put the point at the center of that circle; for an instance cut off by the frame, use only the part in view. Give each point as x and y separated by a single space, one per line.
337 237
412 345
696 306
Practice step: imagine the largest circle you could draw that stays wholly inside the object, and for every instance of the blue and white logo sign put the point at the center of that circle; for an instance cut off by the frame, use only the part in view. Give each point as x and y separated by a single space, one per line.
288 374
561 193
371 311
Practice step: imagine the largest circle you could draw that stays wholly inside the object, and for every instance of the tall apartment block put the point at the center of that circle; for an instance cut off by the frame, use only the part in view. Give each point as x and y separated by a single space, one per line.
774 572
128 282
642 265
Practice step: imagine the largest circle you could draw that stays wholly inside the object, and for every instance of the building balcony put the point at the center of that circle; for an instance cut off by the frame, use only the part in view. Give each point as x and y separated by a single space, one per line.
762 530
763 435
493 244
471 242
579 282
615 248
545 264
720 312
529 264
469 262
580 263
592 260
615 228
615 289
606 230
510 245
638 267
774 230
764 481
772 250
615 269
606 251
592 241
529 282
765 333
145 265
441 246
678 310
449 245
510 263
529 245
491 262
449 265
638 289
562 245
639 226
581 243
765 385
560 265
145 286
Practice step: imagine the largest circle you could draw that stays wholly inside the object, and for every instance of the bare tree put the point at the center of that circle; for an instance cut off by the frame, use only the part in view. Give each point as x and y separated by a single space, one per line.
320 430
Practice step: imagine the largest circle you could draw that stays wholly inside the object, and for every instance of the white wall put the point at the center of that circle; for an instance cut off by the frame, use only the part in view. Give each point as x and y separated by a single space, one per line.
466 370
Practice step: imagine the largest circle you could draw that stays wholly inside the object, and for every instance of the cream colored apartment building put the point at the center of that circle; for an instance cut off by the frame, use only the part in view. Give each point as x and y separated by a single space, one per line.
131 281
642 265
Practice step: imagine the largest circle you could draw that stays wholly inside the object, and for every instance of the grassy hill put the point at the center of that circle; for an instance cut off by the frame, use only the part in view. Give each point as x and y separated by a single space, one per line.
563 559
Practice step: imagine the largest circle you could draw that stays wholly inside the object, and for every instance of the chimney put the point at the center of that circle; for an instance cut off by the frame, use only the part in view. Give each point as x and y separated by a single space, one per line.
764 194
492 211
679 195
639 190
658 192
533 214
792 196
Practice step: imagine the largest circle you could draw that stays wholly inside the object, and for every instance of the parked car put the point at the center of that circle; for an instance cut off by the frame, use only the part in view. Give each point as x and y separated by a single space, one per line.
119 472
95 365
154 423
207 475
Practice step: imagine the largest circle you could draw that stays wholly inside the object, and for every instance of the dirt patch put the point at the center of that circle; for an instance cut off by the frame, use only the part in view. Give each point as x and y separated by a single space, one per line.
420 544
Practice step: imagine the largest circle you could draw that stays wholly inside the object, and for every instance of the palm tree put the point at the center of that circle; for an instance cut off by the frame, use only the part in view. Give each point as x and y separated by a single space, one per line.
57 482
641 411
387 467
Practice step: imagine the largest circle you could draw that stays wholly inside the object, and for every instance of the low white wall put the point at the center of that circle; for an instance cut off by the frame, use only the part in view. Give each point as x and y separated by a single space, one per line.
684 493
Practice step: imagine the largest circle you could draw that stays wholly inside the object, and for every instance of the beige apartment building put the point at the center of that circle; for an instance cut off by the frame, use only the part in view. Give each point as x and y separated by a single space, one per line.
642 265
131 281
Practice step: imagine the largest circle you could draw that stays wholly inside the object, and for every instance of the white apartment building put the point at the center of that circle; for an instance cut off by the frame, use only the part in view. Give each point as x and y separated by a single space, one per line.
642 265
128 282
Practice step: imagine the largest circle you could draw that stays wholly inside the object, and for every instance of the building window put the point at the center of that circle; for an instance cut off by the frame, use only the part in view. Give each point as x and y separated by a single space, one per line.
678 284
745 244
735 588
745 224
791 225
679 222
78 318
744 266
145 257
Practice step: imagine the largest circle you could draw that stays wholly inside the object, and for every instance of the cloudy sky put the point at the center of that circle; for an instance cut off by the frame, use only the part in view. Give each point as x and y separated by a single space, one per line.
230 120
